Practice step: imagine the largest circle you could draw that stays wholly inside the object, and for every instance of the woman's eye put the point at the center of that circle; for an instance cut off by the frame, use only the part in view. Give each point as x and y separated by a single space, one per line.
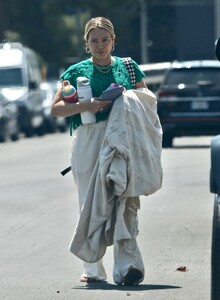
103 41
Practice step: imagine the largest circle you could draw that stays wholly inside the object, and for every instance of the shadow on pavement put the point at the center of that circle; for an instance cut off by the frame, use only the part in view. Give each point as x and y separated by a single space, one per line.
190 147
108 286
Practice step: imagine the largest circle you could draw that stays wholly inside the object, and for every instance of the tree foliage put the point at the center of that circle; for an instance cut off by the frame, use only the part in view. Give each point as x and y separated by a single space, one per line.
55 28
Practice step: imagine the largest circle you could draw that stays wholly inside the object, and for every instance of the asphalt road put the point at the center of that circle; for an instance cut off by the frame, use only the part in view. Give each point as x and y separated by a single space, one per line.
39 210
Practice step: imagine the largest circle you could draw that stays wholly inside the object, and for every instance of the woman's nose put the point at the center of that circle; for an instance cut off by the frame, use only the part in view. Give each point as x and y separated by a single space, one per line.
100 45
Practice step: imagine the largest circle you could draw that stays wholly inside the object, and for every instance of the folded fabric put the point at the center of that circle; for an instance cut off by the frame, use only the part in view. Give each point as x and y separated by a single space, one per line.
129 166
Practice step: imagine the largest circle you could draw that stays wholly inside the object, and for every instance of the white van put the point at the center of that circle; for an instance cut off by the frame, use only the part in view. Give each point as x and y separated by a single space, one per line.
19 82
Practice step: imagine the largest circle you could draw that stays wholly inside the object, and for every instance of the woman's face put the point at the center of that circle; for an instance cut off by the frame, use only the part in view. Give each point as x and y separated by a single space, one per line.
100 43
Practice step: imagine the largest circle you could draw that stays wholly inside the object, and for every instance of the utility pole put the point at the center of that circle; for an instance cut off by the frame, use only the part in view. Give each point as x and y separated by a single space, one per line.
2 19
144 32
217 18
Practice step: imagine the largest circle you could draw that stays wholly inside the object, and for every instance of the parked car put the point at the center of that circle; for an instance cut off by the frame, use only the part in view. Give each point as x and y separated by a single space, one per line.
9 124
154 74
19 83
61 122
215 189
189 100
47 94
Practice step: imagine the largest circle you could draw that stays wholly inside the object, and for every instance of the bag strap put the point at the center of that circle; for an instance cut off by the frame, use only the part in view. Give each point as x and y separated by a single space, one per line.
65 171
130 67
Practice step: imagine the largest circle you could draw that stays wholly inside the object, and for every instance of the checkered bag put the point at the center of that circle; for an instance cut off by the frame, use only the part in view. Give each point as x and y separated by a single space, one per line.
130 67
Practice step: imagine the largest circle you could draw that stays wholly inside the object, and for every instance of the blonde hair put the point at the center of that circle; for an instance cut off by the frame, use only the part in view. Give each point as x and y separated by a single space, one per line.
99 22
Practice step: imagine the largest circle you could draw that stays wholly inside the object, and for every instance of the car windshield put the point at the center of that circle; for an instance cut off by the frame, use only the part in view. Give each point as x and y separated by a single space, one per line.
193 76
10 77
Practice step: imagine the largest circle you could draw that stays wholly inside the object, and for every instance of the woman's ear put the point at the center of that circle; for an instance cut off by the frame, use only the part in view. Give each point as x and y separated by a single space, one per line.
113 38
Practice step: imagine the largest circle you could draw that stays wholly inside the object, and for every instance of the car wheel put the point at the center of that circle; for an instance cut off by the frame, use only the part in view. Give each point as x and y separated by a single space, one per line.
28 132
167 140
40 131
215 260
50 126
63 128
2 139
15 137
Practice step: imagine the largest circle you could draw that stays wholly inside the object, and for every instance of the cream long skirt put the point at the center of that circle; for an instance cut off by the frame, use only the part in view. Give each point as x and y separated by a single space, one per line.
85 154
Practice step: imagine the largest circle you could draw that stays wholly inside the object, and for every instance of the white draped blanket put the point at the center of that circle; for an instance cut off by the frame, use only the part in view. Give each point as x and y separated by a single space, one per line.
129 166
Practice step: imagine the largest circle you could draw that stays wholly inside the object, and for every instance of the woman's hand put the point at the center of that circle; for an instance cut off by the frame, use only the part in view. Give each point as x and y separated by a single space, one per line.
61 108
98 105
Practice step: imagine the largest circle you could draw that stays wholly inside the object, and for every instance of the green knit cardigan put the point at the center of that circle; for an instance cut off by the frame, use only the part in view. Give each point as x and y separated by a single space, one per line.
100 81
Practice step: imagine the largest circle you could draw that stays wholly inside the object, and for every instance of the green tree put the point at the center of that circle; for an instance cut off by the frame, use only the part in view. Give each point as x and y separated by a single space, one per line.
55 28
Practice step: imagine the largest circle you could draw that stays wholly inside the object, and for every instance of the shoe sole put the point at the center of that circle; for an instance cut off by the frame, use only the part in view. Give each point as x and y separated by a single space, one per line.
133 277
90 279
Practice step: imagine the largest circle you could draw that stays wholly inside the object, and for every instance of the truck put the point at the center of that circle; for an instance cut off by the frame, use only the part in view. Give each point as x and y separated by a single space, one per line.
20 79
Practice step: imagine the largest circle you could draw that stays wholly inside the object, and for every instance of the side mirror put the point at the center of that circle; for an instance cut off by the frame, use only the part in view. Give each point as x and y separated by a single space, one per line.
217 49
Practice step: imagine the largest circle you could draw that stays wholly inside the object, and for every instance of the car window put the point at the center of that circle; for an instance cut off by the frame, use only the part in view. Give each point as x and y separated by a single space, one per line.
193 76
11 77
159 72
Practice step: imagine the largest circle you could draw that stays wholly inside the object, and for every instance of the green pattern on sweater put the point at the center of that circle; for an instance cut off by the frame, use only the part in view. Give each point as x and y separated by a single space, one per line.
100 81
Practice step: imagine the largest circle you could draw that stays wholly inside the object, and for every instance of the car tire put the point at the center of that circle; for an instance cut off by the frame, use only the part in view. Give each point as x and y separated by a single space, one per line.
63 128
28 132
215 259
167 140
50 126
15 137
40 131
2 139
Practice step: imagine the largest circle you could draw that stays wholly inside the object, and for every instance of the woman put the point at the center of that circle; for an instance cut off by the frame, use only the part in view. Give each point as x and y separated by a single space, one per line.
101 69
